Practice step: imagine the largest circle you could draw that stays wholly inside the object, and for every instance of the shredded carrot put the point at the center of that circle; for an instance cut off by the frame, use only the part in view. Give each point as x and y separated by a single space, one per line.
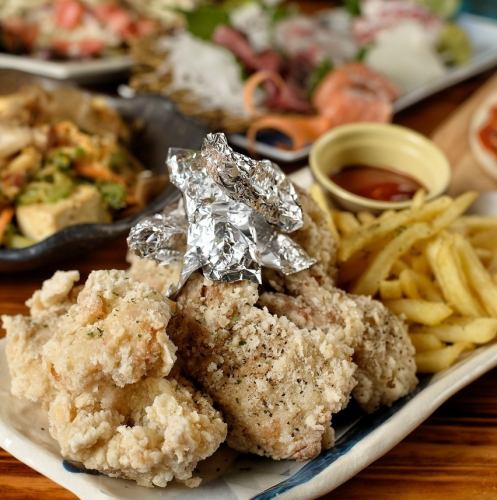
251 85
5 217
98 173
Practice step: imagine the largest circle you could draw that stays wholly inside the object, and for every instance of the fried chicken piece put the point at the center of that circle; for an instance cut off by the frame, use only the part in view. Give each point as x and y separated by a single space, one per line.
277 384
383 351
152 432
114 333
25 340
96 359
27 335
148 271
317 240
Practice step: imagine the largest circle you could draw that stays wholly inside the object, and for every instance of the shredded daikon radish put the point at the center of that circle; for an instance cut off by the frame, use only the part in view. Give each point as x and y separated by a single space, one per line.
207 71
406 54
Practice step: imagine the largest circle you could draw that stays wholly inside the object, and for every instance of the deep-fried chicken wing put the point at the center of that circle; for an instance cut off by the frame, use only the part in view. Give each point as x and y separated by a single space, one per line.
153 431
96 359
115 333
27 335
160 278
383 351
277 384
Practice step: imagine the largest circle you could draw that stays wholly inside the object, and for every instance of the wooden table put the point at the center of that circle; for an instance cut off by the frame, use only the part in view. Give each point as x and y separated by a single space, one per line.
452 455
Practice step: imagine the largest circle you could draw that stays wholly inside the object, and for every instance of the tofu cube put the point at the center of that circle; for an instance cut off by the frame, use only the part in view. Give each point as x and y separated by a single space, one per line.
40 220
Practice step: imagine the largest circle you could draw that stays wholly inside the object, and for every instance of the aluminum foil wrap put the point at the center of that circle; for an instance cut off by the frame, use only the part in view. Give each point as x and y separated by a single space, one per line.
233 220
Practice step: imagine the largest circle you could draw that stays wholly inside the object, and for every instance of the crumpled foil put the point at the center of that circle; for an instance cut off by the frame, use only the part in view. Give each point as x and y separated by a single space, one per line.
162 236
233 219
261 185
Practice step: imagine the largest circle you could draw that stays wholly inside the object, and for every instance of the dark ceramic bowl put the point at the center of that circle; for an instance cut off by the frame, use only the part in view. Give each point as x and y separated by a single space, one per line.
161 127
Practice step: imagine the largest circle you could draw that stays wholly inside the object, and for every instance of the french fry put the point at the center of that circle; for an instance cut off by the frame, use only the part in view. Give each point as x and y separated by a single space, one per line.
484 254
423 342
409 284
441 359
486 239
456 209
380 266
419 199
451 279
478 222
492 265
390 224
426 287
475 330
420 264
478 276
366 218
420 311
390 289
346 223
319 196
397 267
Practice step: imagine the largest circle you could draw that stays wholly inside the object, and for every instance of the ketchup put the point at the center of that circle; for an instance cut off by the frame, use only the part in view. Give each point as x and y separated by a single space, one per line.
376 183
488 133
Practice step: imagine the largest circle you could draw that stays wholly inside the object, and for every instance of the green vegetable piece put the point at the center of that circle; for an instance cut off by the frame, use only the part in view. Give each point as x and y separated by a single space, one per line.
363 52
117 160
318 73
58 187
353 7
113 194
441 8
203 21
454 45
61 160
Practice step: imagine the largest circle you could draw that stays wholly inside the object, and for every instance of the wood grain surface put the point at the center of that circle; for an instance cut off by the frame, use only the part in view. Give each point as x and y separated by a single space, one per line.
453 455
453 137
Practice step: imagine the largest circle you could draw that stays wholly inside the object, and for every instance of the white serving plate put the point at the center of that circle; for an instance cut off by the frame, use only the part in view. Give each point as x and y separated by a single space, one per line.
90 71
361 439
483 34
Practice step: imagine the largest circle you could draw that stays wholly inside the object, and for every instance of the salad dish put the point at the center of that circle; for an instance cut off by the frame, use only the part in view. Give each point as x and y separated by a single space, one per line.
77 169
310 372
276 67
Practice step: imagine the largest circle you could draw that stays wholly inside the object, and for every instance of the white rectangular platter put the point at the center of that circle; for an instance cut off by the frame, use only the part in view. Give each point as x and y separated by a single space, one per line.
361 439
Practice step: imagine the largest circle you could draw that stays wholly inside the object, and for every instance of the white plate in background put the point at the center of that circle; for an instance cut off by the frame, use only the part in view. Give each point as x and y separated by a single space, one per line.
87 71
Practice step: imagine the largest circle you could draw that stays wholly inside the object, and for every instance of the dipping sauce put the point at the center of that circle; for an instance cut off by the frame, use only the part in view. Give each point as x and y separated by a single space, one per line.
488 133
376 183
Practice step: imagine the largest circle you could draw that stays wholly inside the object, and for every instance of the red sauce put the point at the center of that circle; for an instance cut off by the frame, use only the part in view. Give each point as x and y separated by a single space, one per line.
376 183
488 133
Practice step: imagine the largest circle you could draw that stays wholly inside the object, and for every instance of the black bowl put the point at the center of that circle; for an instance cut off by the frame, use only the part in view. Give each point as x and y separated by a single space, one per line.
161 127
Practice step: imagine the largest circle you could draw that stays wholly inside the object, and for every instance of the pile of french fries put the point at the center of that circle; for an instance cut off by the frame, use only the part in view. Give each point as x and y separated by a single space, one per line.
430 264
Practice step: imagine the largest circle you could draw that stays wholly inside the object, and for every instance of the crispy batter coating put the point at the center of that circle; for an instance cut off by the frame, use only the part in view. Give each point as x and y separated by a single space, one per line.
97 360
29 376
27 335
383 351
316 239
277 384
153 431
148 271
115 333
56 295
385 357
